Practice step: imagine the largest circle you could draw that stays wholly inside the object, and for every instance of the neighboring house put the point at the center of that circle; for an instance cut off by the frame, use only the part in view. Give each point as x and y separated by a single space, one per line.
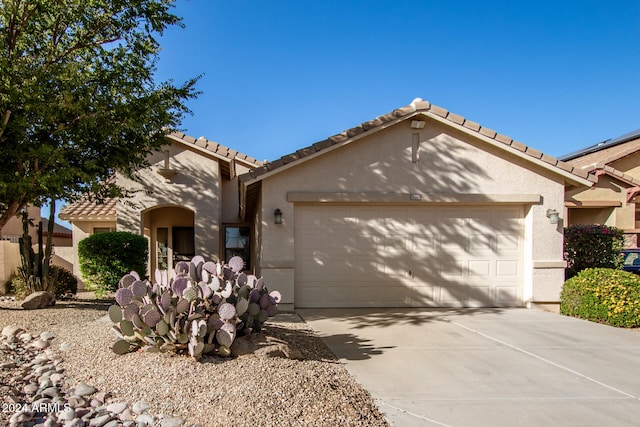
416 208
612 200
62 236
185 203
10 251
9 248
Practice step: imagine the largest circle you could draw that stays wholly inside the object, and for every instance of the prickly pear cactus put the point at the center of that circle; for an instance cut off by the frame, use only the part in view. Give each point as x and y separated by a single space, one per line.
199 308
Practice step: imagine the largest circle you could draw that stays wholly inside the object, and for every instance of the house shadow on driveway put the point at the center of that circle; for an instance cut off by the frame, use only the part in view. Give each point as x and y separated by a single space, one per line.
339 327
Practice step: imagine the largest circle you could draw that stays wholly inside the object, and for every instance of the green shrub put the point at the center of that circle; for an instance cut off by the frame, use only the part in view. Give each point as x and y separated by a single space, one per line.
64 282
592 246
603 295
105 257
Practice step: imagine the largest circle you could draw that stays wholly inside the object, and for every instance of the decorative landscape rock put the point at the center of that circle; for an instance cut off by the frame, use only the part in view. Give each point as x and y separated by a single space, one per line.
37 300
36 388
200 309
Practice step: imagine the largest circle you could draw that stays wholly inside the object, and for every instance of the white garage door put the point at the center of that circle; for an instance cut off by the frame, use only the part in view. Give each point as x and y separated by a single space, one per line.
425 256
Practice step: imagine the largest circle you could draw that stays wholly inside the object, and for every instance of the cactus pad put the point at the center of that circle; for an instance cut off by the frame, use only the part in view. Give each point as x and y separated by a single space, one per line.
180 284
115 313
124 296
121 347
241 306
127 328
224 351
226 311
181 268
277 297
138 289
126 280
190 294
151 317
236 264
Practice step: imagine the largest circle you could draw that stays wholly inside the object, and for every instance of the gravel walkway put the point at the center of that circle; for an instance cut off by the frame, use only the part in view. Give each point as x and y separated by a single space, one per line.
245 391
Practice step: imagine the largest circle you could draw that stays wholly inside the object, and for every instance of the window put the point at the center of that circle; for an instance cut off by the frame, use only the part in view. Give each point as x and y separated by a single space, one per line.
97 230
162 246
237 242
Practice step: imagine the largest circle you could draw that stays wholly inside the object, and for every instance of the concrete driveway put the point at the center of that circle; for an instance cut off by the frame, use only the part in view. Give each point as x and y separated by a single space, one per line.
487 367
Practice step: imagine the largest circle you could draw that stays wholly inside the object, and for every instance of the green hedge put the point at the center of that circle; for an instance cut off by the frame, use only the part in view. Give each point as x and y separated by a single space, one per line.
592 246
603 295
105 257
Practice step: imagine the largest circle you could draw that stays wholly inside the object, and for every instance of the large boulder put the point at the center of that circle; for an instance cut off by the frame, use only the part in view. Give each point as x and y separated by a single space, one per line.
37 300
263 345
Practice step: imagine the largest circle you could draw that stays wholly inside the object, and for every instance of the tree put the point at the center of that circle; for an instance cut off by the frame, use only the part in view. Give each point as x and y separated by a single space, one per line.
78 99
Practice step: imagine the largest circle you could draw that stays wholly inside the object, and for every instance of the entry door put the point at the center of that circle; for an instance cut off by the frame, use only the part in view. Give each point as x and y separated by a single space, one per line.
184 248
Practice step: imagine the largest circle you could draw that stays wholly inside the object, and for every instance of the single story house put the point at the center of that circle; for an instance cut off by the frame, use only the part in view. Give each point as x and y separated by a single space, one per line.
419 207
612 200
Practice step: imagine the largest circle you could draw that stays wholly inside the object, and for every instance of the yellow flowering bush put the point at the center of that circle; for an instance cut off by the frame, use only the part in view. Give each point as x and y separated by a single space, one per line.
603 295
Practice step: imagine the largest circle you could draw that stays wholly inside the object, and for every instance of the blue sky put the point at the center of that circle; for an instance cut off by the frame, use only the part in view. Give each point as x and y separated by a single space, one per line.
280 75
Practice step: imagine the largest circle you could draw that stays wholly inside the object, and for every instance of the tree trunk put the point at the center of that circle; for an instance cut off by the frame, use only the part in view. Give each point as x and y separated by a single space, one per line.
11 211
46 261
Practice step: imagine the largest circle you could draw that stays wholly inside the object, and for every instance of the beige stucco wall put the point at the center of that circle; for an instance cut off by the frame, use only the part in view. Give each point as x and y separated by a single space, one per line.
195 186
13 227
450 162
606 191
9 262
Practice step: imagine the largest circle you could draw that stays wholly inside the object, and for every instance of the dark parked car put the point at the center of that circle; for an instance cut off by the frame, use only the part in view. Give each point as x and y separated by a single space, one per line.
631 260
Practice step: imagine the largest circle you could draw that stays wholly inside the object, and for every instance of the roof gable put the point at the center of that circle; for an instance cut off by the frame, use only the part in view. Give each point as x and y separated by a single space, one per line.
212 148
90 210
416 108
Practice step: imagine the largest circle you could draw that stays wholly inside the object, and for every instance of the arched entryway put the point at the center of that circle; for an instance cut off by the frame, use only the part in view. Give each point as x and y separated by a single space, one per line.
170 230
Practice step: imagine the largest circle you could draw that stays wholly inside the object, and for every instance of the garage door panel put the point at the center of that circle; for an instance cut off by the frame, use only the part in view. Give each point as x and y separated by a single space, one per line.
507 242
479 268
367 256
507 268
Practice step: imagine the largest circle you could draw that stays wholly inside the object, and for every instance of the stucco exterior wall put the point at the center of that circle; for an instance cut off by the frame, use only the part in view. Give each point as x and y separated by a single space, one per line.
450 162
13 227
195 186
611 195
9 262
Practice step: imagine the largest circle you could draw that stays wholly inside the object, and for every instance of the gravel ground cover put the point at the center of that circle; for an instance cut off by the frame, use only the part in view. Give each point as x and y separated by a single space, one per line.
245 391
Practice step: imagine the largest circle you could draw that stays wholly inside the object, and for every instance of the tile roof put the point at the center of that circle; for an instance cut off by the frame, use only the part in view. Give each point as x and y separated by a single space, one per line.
59 230
213 147
416 107
601 168
602 145
87 210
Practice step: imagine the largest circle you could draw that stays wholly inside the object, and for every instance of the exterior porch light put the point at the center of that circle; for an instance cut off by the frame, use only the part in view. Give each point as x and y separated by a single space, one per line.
553 215
277 216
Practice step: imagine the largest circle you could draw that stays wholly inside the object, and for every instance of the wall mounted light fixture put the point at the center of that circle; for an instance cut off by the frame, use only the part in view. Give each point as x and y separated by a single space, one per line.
553 215
277 216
